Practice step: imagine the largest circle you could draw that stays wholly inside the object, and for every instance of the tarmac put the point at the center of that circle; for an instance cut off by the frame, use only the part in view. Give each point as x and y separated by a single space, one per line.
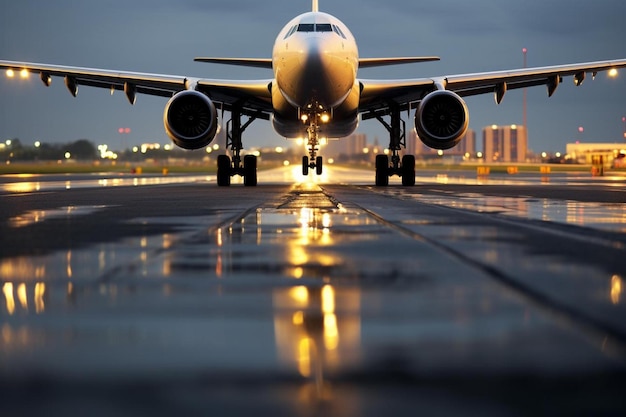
157 295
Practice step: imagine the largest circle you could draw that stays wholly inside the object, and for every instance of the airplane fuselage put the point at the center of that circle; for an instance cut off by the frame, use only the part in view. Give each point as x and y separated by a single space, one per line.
315 62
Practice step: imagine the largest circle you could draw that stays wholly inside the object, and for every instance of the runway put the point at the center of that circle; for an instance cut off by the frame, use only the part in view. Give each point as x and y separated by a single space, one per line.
130 295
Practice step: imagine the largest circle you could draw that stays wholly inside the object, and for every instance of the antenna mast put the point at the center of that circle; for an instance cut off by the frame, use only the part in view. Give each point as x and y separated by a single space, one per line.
316 7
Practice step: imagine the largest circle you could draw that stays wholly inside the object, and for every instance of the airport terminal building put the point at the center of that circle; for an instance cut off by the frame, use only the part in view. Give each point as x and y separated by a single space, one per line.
607 154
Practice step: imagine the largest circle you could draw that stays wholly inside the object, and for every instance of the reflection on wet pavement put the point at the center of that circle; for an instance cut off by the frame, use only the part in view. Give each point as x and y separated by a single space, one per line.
310 294
56 182
605 216
36 216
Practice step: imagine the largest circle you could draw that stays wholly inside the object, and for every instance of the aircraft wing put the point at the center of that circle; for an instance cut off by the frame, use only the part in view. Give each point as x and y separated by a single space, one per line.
254 95
377 96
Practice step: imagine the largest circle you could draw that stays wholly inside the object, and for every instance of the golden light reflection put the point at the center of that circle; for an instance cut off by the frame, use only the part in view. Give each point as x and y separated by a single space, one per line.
220 240
300 295
314 231
40 292
21 296
328 299
331 332
68 261
304 357
311 334
298 272
616 289
22 187
7 290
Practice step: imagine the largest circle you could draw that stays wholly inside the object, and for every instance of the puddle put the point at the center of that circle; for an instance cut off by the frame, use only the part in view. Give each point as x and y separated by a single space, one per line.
604 216
51 183
37 216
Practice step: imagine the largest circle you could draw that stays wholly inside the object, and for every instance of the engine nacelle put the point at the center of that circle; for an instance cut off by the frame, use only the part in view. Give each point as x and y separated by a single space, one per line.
190 120
441 119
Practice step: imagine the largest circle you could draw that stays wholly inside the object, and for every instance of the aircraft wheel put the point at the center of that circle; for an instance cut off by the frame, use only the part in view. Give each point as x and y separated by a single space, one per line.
249 171
382 170
408 170
319 165
305 165
223 170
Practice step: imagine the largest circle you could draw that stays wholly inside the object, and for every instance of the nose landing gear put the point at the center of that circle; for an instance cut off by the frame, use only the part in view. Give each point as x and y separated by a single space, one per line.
313 161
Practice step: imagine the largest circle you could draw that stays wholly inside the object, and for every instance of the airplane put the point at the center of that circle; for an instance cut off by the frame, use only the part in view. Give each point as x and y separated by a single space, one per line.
315 94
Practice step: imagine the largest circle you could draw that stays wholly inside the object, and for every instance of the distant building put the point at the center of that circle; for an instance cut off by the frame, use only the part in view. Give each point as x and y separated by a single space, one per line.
346 147
414 145
608 154
505 143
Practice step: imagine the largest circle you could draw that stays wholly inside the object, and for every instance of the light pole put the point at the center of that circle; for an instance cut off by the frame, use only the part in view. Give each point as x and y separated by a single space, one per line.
624 121
525 121
581 130
123 131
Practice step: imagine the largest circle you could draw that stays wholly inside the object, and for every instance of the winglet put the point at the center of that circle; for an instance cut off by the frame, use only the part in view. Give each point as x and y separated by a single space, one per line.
316 6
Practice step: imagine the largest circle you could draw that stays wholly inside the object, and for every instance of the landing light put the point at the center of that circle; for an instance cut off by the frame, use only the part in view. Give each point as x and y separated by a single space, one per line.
613 72
24 73
10 73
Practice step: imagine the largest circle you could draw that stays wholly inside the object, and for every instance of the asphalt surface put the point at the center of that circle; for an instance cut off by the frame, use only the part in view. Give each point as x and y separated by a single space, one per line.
125 295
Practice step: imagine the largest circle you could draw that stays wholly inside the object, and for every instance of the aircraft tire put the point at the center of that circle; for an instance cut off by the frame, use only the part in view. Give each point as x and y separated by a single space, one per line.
382 170
305 165
249 171
408 170
223 170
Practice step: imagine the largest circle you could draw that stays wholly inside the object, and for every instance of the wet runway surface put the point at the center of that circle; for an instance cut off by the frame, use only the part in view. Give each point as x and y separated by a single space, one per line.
129 295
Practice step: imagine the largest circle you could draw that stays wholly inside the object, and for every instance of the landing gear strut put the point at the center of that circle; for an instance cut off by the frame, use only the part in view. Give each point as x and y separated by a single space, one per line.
313 161
227 168
403 167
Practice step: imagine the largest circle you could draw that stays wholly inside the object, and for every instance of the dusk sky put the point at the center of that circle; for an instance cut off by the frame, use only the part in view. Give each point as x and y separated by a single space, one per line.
161 36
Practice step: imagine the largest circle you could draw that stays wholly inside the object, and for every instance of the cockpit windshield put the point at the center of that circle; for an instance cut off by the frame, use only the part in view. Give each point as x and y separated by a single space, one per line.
315 27
306 27
323 27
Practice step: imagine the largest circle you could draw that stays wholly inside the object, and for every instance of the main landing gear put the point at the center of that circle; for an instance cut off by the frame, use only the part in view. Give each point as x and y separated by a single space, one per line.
313 161
403 167
226 168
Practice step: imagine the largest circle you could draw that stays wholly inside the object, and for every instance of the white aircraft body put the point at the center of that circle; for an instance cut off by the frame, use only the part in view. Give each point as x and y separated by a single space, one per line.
315 94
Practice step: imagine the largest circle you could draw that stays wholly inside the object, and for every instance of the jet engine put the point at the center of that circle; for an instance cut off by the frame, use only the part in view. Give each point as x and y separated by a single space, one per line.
190 119
441 119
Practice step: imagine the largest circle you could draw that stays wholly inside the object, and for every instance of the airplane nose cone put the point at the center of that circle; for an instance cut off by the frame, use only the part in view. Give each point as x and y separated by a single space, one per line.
323 76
